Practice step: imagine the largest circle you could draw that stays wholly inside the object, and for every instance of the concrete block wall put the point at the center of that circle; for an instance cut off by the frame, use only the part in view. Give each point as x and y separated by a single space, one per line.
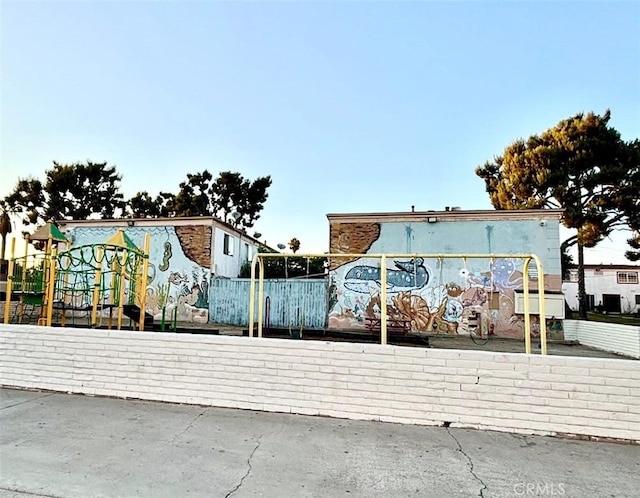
621 339
485 390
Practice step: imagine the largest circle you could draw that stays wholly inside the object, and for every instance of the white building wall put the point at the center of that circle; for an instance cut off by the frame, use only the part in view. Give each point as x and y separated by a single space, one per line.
242 251
604 282
529 394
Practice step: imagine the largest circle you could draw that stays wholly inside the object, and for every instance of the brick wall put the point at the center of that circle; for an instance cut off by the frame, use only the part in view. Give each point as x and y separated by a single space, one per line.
498 391
196 243
355 238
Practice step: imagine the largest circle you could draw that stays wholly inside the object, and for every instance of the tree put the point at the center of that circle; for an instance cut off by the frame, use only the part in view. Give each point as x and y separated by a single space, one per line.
194 196
71 191
232 193
294 245
231 197
226 192
580 165
250 200
142 205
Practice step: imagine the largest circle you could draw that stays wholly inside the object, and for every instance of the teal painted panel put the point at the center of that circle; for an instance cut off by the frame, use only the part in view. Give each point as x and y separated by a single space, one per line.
540 237
288 303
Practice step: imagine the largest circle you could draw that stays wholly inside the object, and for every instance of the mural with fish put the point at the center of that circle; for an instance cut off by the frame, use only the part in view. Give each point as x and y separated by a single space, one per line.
179 261
437 295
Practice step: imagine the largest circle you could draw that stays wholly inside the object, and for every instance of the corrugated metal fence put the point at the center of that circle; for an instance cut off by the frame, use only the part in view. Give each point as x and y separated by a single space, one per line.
291 303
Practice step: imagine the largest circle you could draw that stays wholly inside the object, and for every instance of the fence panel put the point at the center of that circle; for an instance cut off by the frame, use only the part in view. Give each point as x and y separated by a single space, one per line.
298 303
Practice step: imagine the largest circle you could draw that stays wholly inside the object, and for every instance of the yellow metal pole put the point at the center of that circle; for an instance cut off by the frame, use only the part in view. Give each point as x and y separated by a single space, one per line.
96 286
383 326
383 299
143 279
542 306
527 317
7 306
43 319
260 296
123 269
252 294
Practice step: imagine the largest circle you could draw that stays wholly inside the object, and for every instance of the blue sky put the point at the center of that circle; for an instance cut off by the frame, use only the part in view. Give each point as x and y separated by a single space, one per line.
349 106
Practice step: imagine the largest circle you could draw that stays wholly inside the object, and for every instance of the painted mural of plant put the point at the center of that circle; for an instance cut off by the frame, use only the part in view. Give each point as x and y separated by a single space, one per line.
162 291
332 295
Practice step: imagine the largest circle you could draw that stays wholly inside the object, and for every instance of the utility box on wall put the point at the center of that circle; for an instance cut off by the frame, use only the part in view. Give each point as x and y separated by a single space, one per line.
553 304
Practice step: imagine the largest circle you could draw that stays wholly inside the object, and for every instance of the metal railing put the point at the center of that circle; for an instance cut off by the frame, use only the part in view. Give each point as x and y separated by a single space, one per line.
258 262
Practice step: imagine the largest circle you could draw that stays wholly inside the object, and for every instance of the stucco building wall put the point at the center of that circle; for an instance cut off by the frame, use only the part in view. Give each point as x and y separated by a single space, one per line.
441 294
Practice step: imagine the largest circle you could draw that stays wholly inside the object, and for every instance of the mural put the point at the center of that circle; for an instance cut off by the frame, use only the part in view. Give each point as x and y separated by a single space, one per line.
438 295
407 276
179 274
428 298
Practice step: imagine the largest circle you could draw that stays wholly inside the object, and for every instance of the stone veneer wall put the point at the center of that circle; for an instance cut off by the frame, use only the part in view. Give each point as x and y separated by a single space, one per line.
196 243
355 238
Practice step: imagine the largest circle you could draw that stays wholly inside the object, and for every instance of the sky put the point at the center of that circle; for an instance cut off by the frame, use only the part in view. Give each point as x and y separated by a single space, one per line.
350 106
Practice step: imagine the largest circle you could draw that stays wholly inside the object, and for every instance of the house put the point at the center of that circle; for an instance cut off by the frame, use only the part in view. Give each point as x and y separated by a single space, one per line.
185 254
427 294
609 288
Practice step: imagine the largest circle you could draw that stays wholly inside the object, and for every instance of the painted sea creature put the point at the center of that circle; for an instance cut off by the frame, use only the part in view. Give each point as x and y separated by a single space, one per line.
408 275
504 275
177 278
164 266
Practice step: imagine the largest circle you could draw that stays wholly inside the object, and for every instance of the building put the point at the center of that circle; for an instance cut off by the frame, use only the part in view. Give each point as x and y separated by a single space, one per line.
185 254
427 294
609 288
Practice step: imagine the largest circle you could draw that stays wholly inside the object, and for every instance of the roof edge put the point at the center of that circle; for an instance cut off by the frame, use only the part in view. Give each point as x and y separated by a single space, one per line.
452 215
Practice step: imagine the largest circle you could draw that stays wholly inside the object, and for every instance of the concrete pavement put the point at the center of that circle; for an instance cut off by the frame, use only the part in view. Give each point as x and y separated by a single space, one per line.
64 446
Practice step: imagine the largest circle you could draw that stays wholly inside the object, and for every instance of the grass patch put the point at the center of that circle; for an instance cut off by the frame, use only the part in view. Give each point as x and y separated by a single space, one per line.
620 319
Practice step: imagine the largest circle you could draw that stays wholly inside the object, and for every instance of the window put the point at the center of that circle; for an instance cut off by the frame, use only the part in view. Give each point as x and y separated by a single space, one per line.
637 298
228 245
246 252
573 275
627 277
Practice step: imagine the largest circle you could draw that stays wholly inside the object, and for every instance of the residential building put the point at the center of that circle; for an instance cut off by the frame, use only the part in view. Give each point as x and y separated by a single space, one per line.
185 254
610 288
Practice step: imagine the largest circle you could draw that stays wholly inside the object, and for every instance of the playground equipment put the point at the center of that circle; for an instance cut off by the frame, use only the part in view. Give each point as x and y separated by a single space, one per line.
95 282
381 279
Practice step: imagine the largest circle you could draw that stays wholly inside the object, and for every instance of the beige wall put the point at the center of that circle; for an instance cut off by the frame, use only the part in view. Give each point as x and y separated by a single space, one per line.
497 391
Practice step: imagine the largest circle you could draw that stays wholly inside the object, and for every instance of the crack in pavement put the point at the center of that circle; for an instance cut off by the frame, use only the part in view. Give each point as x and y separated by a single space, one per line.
30 493
250 467
484 486
28 401
179 435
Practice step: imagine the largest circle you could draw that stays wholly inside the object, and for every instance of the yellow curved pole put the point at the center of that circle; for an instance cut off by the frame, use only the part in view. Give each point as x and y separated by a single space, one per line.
252 294
258 258
51 286
383 299
7 305
541 306
260 297
143 279
527 316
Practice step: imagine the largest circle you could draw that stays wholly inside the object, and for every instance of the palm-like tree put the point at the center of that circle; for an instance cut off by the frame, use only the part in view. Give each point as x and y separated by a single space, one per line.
294 245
